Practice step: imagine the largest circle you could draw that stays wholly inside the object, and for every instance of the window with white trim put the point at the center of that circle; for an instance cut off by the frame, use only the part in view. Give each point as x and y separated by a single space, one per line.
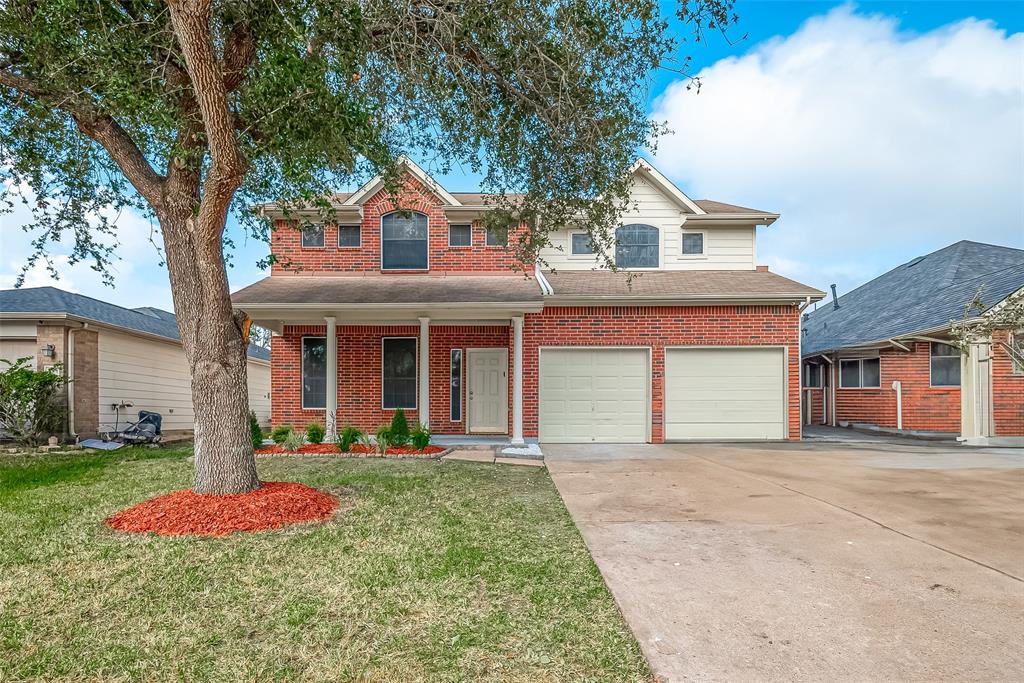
580 244
460 235
313 235
637 246
349 236
945 365
403 241
398 384
812 375
497 236
314 373
455 392
691 243
862 373
1017 345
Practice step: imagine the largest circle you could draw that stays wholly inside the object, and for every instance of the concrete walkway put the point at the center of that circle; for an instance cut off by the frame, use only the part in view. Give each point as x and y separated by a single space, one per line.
808 562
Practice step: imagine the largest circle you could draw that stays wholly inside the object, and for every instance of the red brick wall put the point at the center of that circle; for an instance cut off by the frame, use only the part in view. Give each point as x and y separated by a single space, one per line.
657 327
925 408
359 373
287 246
1007 390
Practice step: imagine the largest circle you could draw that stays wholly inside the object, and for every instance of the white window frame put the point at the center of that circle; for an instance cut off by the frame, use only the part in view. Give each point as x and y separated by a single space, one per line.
337 240
860 372
302 369
931 357
381 235
807 375
1017 367
323 238
488 245
580 257
462 374
460 246
416 361
703 243
661 246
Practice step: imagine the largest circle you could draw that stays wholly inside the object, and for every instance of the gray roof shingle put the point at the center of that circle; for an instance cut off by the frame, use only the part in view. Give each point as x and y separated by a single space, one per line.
44 300
680 284
925 293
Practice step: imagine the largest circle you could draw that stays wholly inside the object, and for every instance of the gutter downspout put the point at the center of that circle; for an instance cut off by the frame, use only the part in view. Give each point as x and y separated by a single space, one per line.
545 287
898 388
800 366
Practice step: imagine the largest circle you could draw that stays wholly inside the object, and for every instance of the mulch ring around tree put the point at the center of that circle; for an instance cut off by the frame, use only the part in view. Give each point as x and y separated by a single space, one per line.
185 513
357 450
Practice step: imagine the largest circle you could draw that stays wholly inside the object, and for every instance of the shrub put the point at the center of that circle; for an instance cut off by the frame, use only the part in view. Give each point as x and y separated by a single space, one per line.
399 435
420 437
315 432
293 442
383 439
280 433
255 431
31 401
349 435
366 441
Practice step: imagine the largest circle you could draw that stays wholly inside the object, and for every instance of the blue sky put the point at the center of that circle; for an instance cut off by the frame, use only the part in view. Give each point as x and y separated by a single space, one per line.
879 130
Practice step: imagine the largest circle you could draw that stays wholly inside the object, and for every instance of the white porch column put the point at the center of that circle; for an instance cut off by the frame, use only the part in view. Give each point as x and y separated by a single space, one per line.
517 381
423 402
331 416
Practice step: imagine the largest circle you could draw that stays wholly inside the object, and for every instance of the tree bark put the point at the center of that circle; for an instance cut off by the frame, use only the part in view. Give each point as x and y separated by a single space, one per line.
213 338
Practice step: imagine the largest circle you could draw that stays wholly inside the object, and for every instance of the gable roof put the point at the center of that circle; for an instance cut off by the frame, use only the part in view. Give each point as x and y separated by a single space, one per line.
926 293
48 301
407 164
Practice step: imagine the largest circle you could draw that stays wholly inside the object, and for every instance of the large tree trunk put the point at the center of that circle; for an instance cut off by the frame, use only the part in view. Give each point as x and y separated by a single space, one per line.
215 344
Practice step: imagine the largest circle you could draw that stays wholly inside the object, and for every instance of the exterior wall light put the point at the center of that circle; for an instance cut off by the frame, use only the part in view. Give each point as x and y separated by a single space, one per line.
48 350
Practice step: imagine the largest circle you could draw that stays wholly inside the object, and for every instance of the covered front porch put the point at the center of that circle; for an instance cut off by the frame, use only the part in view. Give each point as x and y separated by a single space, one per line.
449 361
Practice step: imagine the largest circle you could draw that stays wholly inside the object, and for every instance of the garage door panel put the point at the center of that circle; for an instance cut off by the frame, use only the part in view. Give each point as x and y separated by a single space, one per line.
593 395
724 393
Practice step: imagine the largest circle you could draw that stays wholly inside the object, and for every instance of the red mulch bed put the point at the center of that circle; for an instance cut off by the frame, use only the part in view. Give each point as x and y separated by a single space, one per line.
184 513
357 449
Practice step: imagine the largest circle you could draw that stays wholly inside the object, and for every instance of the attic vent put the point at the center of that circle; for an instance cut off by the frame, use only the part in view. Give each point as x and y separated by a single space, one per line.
916 261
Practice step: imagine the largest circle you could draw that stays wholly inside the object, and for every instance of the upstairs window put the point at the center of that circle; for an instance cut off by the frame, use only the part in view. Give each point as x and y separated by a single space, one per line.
859 374
636 246
581 244
348 236
403 241
313 235
460 235
945 361
314 373
692 244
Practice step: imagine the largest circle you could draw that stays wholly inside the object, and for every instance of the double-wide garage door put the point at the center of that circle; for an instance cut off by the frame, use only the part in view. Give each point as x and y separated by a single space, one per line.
602 395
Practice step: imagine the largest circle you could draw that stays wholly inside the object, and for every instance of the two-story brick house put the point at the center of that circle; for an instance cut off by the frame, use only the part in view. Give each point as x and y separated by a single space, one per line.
423 309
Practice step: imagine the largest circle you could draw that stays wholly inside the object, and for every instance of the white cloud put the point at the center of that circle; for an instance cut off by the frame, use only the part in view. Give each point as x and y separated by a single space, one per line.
875 144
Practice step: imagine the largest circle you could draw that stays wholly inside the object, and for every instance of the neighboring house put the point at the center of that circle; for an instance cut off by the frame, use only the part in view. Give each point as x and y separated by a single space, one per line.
422 310
880 356
115 356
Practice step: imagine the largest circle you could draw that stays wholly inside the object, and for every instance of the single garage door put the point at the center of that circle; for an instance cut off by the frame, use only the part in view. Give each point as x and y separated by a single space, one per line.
593 395
725 394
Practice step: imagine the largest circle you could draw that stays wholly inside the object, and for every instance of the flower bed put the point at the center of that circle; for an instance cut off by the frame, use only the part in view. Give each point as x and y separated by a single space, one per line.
185 513
356 450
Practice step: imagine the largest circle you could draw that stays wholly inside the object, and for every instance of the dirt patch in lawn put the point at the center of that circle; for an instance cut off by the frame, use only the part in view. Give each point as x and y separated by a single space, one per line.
185 513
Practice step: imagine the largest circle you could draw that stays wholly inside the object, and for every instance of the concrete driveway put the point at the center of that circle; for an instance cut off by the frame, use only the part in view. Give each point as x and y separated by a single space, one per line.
815 561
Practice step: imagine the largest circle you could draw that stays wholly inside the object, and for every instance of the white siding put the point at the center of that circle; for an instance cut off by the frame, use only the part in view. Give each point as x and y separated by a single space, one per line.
153 375
727 247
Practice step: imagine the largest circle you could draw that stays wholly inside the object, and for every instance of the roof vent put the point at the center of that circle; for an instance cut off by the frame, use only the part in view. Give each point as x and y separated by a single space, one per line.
835 298
916 261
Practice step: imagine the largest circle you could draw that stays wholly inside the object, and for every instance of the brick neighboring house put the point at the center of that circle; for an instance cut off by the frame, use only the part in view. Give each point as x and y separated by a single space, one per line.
878 355
424 310
115 356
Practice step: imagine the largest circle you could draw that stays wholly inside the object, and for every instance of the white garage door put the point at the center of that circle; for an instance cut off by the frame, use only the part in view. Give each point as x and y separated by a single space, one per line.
593 395
724 394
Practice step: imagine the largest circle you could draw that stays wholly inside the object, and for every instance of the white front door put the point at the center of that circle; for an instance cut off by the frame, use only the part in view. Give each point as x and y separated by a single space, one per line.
488 390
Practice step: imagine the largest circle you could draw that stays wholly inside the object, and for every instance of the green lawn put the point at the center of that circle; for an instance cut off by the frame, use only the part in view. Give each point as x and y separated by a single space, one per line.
431 572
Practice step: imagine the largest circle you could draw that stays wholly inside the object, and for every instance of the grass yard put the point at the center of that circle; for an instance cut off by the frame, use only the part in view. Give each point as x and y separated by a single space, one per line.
431 572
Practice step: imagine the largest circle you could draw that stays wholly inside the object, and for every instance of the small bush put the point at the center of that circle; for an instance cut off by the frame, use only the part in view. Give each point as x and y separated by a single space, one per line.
315 432
293 442
31 401
420 437
255 431
383 439
280 433
349 435
399 435
366 441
